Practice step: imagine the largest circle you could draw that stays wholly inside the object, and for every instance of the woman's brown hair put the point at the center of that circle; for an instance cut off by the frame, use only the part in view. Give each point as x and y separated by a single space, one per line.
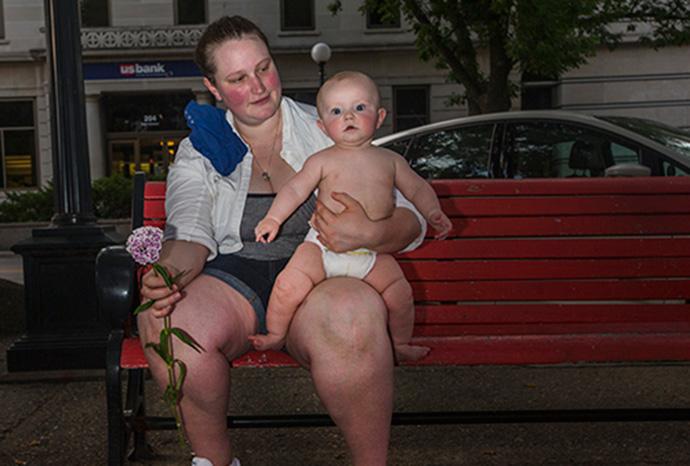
219 31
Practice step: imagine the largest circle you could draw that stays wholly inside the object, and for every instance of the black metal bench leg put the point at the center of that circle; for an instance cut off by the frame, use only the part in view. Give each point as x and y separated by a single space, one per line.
117 437
136 407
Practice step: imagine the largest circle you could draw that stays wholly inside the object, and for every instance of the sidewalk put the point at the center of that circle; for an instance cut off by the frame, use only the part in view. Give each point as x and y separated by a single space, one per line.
11 267
60 418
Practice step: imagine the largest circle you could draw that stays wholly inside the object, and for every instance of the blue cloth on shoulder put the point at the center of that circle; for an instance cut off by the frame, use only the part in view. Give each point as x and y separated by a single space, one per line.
213 137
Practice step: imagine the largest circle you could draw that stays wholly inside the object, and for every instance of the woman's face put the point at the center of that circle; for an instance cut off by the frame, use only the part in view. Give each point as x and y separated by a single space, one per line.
246 79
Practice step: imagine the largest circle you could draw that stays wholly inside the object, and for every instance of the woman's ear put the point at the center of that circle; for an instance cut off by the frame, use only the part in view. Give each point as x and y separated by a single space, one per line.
382 116
212 89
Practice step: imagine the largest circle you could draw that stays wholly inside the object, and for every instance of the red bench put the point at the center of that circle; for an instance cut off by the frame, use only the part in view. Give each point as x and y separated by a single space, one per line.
535 272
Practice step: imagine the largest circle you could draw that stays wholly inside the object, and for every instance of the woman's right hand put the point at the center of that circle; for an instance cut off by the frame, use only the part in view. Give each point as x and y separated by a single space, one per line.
153 287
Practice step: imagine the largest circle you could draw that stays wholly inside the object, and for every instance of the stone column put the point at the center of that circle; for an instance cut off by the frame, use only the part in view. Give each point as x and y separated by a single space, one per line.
94 130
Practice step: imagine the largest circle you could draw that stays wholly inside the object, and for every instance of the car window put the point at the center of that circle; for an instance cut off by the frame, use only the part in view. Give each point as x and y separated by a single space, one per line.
672 169
452 153
399 145
537 149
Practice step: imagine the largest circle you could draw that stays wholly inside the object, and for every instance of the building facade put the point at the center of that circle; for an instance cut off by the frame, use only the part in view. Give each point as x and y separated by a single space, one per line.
139 75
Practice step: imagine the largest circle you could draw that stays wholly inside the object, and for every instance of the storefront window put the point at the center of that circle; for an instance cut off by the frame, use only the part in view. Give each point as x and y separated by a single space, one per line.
146 112
151 155
144 131
17 145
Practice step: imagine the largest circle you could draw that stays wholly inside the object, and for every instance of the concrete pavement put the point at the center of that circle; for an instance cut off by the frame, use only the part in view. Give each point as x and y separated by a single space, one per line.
11 267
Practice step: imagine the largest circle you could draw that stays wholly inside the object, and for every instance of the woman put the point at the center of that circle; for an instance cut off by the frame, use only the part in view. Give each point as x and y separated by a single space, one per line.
339 333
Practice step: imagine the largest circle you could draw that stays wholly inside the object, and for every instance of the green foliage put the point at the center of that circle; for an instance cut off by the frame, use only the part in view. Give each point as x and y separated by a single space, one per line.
112 198
28 206
535 37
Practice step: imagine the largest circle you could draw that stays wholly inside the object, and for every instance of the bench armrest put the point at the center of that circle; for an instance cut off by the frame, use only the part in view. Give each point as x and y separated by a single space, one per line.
116 285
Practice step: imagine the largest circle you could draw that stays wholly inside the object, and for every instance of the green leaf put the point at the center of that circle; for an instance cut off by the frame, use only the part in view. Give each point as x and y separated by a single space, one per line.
182 375
144 306
187 339
160 270
165 345
158 351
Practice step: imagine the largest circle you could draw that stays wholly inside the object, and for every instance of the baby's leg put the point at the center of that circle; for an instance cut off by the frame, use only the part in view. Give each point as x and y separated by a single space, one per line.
388 279
293 284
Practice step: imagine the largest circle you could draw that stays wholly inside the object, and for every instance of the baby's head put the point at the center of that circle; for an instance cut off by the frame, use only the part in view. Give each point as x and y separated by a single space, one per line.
349 107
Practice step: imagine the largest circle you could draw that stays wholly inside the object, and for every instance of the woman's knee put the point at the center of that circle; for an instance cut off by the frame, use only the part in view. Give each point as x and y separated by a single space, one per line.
351 313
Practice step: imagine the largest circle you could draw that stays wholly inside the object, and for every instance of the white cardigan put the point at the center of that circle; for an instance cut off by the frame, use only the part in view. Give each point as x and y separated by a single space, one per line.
205 207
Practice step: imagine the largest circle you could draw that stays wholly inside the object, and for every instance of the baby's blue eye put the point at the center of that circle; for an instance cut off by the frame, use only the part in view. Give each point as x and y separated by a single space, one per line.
336 111
360 107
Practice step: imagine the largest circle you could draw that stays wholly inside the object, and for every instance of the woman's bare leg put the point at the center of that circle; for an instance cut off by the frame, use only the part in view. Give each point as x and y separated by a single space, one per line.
340 334
220 319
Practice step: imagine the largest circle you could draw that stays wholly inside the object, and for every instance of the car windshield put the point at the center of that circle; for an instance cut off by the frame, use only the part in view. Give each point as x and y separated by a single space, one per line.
671 137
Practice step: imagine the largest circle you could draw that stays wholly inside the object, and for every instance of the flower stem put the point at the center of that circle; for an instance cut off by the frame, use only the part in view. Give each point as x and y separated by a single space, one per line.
172 382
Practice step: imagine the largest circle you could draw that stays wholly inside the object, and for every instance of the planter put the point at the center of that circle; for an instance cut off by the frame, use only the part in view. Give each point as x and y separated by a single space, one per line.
12 233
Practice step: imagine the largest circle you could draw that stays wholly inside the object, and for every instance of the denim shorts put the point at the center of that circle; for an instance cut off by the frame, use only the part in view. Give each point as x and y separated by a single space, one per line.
252 278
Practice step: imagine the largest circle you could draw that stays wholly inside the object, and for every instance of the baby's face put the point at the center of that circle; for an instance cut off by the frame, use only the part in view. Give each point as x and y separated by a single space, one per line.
350 112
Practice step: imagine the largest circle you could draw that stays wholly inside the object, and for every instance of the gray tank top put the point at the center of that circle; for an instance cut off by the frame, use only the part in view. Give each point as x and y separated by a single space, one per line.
291 234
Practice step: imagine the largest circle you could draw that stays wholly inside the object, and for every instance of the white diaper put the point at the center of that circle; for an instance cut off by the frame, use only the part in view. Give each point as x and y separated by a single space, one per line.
356 264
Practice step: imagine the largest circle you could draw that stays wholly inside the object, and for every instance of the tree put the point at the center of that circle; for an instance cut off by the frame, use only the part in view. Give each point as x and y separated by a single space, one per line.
535 37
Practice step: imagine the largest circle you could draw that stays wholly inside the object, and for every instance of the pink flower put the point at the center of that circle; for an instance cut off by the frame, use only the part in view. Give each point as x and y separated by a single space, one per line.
144 245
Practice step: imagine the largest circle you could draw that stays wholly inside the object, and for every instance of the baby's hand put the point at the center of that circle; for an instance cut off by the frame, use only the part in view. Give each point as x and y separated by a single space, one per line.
441 223
266 230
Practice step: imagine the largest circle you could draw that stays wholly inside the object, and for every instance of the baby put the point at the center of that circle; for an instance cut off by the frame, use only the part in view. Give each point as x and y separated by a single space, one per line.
349 111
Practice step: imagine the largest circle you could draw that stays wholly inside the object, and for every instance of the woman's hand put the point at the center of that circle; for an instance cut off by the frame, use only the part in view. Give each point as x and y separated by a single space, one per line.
350 229
153 287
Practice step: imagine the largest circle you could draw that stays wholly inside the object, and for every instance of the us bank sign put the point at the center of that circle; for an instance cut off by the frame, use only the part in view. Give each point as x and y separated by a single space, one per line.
141 70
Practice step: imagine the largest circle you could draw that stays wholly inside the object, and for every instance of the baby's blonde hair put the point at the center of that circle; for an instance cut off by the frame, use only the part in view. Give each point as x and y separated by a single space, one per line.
344 76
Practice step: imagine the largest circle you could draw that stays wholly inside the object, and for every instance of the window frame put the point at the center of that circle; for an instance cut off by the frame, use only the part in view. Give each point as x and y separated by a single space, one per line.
285 28
2 20
507 161
176 13
109 13
379 27
35 175
427 102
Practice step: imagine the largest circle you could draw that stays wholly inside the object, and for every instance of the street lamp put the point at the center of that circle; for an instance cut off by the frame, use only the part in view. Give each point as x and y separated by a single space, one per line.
321 53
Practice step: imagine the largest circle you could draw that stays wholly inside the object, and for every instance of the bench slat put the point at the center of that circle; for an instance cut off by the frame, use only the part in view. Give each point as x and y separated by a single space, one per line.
550 349
516 248
511 349
538 313
563 187
542 290
561 328
561 205
571 225
528 269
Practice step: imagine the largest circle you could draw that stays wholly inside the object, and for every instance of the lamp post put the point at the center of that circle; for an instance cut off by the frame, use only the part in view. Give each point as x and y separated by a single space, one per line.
64 327
321 53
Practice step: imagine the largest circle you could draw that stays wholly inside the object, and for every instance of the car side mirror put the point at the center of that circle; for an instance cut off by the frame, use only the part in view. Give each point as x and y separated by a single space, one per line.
627 169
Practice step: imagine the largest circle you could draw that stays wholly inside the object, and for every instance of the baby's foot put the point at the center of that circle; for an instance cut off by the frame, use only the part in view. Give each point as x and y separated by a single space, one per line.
267 342
410 352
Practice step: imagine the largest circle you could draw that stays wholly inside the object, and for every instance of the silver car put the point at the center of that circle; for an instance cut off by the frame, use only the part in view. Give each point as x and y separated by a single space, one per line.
543 144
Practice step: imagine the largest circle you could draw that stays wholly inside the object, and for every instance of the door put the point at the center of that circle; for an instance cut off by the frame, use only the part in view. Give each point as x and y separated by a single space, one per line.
124 156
